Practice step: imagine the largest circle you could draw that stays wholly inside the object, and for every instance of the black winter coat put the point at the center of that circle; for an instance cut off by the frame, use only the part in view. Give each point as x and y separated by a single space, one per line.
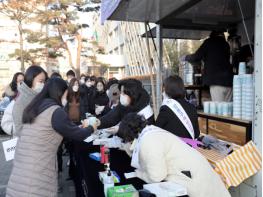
169 121
114 116
215 53
101 99
85 94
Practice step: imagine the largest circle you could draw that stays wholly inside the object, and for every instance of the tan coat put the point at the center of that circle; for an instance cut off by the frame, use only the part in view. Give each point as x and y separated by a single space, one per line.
162 156
34 172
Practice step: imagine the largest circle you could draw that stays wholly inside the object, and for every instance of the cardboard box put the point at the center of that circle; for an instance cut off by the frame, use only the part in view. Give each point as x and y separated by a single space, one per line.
122 191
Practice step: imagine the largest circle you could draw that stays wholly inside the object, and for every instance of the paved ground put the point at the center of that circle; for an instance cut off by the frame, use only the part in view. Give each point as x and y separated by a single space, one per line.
68 189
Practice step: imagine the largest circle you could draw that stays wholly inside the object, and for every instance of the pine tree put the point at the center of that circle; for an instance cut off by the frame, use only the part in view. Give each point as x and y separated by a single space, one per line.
19 11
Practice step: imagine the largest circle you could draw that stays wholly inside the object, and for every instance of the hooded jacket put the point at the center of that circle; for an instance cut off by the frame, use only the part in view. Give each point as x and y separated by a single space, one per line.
25 96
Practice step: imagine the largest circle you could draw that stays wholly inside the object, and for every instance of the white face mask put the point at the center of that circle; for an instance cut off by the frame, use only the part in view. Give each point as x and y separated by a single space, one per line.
88 84
18 85
64 102
75 88
107 92
69 80
124 100
39 86
82 81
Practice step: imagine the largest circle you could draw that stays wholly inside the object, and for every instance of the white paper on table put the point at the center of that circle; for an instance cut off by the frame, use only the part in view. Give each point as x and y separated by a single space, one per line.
9 148
114 142
130 175
163 189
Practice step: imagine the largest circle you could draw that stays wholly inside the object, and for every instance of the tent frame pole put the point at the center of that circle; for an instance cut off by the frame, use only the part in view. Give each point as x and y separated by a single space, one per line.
150 63
257 119
159 34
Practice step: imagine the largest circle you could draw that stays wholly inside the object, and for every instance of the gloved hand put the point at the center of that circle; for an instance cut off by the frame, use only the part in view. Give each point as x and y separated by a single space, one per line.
92 121
99 109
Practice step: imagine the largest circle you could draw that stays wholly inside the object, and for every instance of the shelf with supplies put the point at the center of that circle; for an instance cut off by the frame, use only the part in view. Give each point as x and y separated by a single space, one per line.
225 128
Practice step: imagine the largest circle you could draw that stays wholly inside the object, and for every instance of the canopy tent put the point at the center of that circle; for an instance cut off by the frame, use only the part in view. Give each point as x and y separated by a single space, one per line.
180 14
179 34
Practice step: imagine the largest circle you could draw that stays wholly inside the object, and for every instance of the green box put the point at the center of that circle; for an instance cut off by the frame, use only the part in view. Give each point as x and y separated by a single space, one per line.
122 191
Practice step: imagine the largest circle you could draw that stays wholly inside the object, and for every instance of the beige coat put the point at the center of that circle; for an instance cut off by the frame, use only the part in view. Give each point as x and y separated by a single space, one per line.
34 172
162 156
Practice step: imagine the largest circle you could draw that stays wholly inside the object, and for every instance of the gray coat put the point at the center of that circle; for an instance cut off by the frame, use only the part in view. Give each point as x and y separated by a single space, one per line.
26 95
34 172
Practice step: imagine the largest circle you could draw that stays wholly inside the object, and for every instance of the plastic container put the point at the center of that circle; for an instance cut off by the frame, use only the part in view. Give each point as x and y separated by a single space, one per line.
108 182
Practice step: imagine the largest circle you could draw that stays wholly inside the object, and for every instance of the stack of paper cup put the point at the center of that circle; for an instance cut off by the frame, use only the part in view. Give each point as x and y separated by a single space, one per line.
188 74
237 96
247 97
242 68
230 108
220 108
225 109
212 108
206 107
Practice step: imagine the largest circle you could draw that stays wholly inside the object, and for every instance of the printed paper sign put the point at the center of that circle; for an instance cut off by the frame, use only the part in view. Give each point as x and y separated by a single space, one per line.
9 149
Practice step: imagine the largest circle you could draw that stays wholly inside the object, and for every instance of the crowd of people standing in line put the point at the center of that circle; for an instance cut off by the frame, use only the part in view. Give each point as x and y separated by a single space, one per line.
45 113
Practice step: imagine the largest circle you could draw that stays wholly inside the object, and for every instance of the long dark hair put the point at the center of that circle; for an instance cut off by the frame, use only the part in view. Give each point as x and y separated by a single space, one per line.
13 84
174 87
31 73
71 93
53 89
132 88
100 80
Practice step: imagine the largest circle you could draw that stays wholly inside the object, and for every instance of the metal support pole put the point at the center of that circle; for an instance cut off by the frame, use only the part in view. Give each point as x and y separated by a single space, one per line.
159 66
257 122
150 64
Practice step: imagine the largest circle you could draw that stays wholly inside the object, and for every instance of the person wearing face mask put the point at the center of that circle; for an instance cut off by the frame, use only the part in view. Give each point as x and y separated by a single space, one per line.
99 100
114 95
70 74
7 103
93 80
86 91
174 100
158 155
45 123
82 79
73 101
12 89
34 80
73 105
133 98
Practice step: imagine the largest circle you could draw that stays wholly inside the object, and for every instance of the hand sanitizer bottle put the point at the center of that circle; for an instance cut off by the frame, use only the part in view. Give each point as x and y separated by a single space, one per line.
108 182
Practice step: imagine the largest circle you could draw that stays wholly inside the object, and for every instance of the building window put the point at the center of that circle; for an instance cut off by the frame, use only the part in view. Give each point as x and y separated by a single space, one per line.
122 49
116 51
